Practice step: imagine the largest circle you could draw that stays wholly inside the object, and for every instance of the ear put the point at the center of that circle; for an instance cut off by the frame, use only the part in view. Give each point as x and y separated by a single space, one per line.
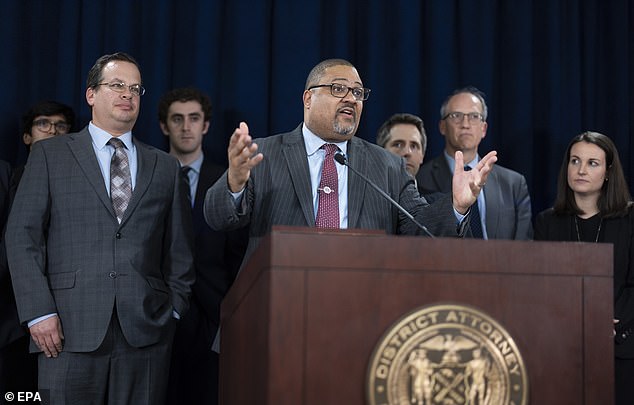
164 129
485 126
205 127
307 98
442 127
90 96
27 138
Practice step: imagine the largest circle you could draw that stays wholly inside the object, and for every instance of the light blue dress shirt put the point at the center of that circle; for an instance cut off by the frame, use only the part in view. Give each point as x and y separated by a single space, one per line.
104 153
316 157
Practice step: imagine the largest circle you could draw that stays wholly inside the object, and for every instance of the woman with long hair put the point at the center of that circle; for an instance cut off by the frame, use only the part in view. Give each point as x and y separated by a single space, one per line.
593 204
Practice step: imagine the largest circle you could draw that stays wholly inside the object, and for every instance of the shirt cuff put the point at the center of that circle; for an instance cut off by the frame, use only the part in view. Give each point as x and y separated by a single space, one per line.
40 319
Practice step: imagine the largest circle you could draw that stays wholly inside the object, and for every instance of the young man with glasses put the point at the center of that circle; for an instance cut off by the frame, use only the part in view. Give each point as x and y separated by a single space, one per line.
100 252
44 120
278 180
18 368
504 206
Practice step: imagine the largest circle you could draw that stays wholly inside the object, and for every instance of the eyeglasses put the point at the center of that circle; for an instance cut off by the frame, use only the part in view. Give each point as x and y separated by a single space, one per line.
45 125
458 117
340 91
119 87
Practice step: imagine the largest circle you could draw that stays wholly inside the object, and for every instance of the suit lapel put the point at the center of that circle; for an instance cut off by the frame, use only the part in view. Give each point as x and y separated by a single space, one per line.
492 199
442 174
81 147
356 186
294 152
146 161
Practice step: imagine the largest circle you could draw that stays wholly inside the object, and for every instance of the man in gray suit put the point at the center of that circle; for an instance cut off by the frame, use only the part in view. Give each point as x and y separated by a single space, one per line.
277 180
504 204
99 284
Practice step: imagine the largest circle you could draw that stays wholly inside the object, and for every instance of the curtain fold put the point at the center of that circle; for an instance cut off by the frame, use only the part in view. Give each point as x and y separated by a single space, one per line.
549 68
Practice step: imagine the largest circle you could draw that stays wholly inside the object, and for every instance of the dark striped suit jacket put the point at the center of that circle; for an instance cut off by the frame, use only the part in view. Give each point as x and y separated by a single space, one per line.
279 193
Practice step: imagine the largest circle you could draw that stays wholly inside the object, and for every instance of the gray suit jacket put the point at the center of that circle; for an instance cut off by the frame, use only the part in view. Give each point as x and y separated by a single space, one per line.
68 254
279 193
508 204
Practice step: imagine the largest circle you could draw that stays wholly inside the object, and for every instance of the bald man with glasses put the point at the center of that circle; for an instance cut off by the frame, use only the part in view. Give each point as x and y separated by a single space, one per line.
503 209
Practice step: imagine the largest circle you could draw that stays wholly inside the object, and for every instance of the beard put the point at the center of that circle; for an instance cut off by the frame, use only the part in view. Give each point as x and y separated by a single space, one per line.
343 129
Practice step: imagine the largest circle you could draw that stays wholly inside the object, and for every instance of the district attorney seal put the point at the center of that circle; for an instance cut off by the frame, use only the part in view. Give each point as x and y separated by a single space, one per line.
447 354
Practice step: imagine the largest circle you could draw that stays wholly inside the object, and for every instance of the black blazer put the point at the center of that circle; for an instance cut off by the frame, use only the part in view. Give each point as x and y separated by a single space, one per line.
620 233
217 258
10 328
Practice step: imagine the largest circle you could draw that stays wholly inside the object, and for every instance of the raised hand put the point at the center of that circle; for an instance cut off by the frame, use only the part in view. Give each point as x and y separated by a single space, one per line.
242 157
466 185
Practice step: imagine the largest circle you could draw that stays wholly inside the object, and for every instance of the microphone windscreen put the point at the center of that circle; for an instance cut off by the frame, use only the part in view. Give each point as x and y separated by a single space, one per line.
340 158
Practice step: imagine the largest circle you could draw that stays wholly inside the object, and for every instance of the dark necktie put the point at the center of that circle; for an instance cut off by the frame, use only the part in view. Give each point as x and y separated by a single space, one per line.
185 173
120 179
476 221
328 191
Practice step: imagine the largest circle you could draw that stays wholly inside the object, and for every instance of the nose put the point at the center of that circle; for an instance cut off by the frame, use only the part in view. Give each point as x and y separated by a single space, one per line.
465 121
126 93
582 168
186 125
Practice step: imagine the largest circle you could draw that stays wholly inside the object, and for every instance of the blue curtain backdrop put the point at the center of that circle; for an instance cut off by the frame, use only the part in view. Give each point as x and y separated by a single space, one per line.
550 68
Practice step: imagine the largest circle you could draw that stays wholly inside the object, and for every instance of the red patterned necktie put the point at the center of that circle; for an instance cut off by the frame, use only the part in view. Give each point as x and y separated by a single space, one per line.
328 191
120 179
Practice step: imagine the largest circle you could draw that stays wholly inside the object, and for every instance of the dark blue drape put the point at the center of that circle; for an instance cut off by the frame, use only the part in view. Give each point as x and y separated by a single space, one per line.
550 68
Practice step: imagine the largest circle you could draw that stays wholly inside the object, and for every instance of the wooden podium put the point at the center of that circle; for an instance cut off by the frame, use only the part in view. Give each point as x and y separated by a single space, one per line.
302 319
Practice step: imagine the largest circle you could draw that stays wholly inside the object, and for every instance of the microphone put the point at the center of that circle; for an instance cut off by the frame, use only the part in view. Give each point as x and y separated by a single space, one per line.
342 160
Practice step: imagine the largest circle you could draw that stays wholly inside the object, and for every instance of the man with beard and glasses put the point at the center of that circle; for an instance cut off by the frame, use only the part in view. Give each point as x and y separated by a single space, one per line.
279 181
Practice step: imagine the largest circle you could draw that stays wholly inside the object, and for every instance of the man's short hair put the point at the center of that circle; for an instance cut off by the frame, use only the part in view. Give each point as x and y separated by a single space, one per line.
468 90
95 74
383 134
318 71
47 107
183 95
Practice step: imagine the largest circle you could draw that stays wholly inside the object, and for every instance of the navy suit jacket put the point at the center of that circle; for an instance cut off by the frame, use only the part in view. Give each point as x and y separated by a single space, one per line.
279 193
508 204
68 254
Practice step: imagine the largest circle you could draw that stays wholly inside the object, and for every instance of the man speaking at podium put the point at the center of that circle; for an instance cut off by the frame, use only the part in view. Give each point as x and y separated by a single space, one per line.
292 178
